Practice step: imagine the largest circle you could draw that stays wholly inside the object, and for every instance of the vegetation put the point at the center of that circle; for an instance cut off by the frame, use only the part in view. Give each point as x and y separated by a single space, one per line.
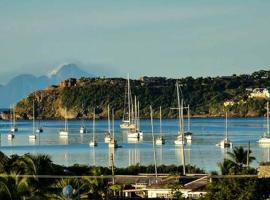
206 96
245 188
15 186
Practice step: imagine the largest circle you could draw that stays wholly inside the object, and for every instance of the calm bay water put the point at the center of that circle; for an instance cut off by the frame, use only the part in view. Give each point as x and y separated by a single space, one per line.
75 149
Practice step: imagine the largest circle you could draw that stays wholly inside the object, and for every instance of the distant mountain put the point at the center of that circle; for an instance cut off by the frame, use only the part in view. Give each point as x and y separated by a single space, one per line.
67 70
22 85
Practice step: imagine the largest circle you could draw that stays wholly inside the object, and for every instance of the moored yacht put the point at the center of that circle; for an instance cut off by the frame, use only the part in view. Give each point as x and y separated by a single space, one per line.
265 139
13 127
225 143
127 123
160 140
93 142
108 135
33 135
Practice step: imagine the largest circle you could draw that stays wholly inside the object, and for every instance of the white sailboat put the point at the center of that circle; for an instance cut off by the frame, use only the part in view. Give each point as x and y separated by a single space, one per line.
11 134
180 138
64 132
33 135
188 134
108 135
136 132
265 139
225 143
39 129
13 128
113 141
82 128
93 142
160 140
127 123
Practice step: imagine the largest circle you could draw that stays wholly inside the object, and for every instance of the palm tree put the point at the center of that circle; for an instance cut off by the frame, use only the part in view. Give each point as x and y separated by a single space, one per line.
35 165
237 161
14 187
240 156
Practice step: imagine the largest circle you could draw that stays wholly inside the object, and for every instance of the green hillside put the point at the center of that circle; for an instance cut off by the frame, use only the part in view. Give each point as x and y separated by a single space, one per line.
206 96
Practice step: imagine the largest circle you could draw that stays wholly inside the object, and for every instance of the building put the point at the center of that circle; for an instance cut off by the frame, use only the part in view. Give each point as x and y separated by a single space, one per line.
260 93
193 189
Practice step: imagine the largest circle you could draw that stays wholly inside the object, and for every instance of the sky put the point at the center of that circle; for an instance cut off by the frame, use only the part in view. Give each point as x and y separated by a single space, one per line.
174 38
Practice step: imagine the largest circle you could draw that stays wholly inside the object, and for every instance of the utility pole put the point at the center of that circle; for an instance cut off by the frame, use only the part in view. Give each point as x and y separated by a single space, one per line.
248 151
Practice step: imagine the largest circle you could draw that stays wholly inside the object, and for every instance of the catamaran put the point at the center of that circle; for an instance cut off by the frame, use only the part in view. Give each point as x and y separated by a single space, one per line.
160 140
33 135
93 142
180 138
108 135
127 123
225 143
13 128
265 139
64 132
113 141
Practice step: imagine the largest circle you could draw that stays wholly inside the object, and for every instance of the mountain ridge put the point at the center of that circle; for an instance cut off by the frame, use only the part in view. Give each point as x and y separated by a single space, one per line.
21 85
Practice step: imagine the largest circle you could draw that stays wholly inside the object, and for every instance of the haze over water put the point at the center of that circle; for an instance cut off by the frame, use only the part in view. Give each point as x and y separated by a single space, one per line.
75 149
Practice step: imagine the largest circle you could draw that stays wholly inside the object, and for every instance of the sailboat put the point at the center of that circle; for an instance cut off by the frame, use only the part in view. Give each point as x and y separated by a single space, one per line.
93 142
33 135
265 139
39 129
108 135
11 134
188 134
113 141
136 132
127 123
82 128
225 143
180 138
160 140
64 132
13 128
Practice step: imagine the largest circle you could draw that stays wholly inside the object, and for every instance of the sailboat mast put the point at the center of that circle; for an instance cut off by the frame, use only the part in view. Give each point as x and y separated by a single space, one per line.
94 124
188 119
226 126
11 116
268 118
33 116
129 109
14 116
109 123
160 121
138 122
153 140
113 122
179 108
135 112
180 116
65 119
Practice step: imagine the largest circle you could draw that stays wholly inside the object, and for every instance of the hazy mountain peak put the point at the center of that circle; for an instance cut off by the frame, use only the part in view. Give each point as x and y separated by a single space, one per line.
67 69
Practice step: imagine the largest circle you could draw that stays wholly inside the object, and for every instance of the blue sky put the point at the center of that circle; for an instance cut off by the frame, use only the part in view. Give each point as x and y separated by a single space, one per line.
155 38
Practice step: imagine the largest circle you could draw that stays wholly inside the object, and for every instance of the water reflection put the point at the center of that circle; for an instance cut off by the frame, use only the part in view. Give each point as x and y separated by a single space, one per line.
63 140
134 156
